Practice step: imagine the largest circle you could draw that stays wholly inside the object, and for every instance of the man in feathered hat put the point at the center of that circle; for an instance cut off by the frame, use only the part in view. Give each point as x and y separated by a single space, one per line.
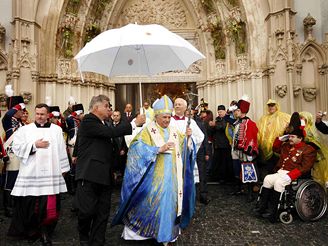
244 145
73 122
296 159
69 110
11 121
56 117
158 192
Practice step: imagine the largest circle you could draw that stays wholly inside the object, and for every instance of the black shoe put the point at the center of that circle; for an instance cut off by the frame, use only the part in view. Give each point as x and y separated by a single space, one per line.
84 243
266 215
45 240
236 193
204 201
8 212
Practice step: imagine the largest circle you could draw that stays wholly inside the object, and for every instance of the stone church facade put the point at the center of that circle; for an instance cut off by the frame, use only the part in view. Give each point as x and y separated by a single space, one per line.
263 48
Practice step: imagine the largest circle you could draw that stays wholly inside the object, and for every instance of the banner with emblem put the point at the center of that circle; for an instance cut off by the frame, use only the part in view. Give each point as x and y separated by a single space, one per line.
248 172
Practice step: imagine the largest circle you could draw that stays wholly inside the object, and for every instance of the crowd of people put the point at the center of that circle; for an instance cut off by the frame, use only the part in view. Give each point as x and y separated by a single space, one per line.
162 156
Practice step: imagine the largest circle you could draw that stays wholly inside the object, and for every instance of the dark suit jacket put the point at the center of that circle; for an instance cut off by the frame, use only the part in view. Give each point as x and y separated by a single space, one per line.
322 127
95 149
125 118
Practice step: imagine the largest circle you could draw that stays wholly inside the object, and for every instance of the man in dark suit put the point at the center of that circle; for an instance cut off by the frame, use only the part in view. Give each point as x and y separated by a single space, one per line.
120 149
128 115
94 152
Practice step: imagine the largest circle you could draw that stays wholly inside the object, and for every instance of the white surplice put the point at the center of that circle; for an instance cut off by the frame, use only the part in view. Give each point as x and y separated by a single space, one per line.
197 136
40 173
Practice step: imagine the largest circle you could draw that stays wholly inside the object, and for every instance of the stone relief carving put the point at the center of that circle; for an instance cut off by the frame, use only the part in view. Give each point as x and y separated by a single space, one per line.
281 90
27 96
3 64
64 68
309 94
220 67
297 90
2 36
3 101
308 24
242 62
150 12
195 68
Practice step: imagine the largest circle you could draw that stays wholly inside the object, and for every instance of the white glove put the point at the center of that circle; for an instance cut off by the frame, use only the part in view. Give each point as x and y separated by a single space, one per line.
284 138
22 105
286 178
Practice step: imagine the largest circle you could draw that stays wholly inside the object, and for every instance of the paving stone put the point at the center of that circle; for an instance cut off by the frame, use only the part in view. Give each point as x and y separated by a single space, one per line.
226 220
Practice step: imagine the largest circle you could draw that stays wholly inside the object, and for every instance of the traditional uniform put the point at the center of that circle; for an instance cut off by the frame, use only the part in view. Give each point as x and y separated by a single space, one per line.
244 143
73 122
11 124
295 160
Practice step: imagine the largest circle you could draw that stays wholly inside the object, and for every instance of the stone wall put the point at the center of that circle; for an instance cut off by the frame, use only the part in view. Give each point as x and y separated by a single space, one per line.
251 47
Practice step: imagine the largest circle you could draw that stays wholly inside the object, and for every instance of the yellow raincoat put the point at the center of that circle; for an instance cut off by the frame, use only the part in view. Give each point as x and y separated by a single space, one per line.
320 169
270 127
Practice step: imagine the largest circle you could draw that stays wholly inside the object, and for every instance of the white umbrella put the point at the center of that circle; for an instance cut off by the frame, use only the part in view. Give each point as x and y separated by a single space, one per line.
137 50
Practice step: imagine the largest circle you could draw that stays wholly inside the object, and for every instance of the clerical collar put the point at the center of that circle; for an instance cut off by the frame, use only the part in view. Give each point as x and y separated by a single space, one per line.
46 125
176 117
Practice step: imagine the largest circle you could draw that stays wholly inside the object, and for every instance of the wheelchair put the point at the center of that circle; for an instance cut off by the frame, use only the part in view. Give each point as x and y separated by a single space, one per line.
306 196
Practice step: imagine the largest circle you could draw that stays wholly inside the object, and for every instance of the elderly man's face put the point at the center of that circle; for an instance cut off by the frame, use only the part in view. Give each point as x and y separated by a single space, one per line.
104 110
180 106
163 120
221 113
146 105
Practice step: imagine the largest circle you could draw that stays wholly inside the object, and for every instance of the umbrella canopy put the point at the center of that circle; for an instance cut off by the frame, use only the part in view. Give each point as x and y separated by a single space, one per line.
137 50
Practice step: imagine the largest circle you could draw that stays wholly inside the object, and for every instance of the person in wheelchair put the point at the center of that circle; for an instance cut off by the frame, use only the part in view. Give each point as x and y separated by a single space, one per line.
296 158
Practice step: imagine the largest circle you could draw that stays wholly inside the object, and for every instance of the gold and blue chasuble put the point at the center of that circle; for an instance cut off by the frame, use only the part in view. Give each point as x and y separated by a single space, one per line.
150 190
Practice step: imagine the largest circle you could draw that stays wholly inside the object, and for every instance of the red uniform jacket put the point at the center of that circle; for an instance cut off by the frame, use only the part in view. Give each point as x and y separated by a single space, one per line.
298 159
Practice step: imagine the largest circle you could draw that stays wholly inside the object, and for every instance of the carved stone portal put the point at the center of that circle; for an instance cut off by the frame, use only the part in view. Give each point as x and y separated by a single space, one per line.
309 94
150 12
281 90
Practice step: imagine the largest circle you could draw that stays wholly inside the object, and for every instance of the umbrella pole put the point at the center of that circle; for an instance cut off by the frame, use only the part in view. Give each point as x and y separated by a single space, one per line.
140 90
140 94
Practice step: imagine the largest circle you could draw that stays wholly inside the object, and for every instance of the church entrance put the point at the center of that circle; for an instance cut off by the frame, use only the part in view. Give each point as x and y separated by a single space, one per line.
129 93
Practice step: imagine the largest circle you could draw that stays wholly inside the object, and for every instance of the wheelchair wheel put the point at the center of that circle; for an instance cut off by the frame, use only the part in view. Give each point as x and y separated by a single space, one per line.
311 201
286 217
